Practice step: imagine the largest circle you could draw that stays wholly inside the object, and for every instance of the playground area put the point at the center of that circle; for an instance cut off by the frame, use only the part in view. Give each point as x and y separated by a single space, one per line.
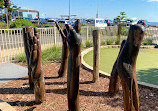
92 91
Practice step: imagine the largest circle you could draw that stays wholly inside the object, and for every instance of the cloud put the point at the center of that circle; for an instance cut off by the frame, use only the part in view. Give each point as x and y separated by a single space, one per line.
152 0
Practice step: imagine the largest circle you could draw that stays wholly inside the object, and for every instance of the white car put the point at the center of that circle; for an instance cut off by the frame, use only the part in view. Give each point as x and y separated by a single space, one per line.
131 21
63 21
97 22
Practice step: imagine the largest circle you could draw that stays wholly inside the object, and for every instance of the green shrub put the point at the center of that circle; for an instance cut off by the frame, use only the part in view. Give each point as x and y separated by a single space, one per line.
117 41
124 31
89 43
20 23
147 42
20 58
103 42
109 41
3 25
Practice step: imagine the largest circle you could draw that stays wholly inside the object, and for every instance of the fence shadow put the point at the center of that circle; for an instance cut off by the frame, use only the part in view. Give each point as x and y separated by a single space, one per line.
22 103
16 91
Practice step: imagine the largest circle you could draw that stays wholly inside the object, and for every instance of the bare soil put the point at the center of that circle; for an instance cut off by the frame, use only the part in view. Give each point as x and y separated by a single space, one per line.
93 96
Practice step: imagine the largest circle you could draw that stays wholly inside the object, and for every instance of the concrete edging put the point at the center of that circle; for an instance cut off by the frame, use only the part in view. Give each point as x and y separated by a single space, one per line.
101 73
4 106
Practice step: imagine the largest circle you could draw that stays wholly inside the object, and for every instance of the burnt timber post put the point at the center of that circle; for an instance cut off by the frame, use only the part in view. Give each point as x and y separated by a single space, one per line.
65 52
115 79
74 42
96 54
126 66
33 54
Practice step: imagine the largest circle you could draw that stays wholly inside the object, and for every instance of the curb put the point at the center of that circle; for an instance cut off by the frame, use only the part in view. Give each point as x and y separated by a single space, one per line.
104 74
5 106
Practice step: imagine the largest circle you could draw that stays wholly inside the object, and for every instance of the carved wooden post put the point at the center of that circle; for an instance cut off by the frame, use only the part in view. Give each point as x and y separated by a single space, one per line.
96 54
115 79
65 52
126 67
119 32
33 49
74 42
27 37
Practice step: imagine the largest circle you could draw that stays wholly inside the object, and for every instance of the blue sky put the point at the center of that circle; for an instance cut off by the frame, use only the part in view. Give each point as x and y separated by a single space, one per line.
108 9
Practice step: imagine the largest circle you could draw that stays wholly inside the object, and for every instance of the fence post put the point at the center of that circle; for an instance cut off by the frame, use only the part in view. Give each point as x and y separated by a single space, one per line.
55 36
96 54
87 34
119 32
0 53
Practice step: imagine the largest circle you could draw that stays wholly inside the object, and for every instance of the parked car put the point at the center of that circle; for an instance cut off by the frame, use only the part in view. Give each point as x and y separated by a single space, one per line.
109 22
63 21
145 23
41 21
27 18
116 21
131 21
97 22
1 20
51 21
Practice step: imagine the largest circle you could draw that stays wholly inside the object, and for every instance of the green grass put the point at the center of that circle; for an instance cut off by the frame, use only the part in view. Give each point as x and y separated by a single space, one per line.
146 67
50 54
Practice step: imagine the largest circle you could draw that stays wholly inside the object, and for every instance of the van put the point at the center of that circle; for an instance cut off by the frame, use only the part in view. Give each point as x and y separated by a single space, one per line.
97 22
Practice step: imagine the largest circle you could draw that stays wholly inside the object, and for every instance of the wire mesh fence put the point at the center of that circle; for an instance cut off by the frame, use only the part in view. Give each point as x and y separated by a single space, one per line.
11 40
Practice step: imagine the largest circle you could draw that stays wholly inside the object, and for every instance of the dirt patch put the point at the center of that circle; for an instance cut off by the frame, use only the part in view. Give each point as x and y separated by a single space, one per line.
93 96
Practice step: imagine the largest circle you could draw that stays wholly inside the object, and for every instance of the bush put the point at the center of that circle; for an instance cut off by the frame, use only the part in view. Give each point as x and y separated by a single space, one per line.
147 42
103 42
117 41
109 41
124 31
3 25
89 43
20 23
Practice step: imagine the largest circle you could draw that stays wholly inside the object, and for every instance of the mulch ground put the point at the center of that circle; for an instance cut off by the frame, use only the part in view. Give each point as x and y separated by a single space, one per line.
93 96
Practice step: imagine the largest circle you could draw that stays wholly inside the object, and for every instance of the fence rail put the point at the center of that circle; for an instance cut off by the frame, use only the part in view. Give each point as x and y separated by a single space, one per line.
11 40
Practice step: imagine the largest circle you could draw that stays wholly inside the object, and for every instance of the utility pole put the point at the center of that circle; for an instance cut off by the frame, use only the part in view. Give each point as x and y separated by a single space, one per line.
97 15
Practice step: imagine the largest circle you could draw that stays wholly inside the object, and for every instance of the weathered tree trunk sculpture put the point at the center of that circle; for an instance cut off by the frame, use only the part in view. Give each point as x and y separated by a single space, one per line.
96 54
74 42
27 37
33 55
115 79
65 52
126 67
119 32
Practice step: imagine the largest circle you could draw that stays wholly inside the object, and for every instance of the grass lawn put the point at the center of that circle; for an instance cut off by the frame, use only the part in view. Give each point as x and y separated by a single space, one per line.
147 63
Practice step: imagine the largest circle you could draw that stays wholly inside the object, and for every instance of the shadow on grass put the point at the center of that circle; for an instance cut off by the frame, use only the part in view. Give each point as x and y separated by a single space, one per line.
148 76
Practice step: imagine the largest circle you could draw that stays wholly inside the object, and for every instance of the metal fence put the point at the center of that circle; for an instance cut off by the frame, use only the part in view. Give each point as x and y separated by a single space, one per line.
11 40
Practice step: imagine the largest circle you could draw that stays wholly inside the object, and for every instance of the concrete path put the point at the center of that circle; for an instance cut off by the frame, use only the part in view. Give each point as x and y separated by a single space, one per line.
10 71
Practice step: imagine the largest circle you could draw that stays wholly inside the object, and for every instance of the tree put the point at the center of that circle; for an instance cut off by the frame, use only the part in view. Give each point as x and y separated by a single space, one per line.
121 16
7 4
